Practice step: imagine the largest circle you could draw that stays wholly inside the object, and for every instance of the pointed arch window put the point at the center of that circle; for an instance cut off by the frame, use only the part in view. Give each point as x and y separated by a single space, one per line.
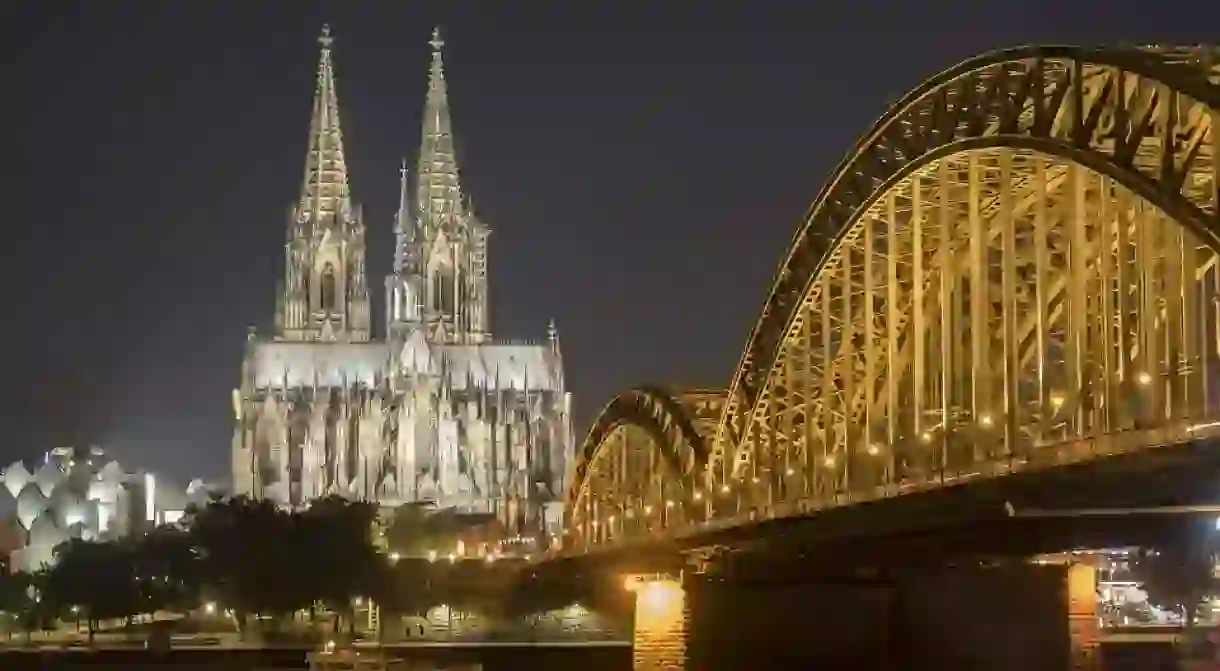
442 296
329 299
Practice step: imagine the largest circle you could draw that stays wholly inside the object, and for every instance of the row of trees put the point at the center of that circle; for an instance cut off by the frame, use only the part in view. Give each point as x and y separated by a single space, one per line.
247 556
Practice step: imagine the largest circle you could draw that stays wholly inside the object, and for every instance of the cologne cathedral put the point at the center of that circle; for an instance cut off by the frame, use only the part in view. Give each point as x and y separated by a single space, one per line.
439 412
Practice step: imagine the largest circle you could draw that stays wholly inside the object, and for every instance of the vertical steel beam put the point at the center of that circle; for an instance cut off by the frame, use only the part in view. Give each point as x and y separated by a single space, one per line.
947 322
1008 306
1048 407
807 408
1149 379
893 375
829 370
847 366
918 320
1077 310
978 319
869 316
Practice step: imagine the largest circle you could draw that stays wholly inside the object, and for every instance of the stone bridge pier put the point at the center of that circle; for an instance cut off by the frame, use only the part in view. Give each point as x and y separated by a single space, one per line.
1018 617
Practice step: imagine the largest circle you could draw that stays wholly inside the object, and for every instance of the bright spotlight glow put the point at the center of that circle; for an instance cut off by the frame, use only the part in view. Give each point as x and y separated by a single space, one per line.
659 595
150 497
209 608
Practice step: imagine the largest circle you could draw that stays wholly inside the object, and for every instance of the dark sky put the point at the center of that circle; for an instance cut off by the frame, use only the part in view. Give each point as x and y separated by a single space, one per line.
642 164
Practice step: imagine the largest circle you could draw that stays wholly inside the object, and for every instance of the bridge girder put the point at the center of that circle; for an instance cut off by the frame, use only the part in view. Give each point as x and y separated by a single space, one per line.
1015 267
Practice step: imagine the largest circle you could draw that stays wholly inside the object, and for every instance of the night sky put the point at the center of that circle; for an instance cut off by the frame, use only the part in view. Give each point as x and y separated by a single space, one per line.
642 165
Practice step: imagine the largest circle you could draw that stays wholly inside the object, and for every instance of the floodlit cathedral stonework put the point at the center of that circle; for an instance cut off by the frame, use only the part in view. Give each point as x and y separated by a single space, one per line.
439 411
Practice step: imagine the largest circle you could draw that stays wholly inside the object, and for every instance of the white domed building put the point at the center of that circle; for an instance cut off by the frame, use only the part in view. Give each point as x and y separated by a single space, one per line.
79 493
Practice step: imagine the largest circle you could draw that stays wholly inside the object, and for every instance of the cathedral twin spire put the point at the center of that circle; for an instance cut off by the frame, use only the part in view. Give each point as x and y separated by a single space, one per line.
439 191
325 193
324 294
439 283
440 260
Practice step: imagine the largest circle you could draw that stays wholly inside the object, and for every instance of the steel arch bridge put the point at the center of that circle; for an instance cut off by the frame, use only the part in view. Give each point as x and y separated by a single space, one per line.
1014 268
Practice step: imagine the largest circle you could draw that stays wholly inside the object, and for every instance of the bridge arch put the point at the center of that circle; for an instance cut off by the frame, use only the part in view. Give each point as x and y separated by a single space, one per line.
1135 120
1015 267
644 456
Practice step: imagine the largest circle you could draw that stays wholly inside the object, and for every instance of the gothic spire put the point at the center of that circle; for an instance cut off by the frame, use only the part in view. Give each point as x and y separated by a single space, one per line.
325 192
404 224
439 194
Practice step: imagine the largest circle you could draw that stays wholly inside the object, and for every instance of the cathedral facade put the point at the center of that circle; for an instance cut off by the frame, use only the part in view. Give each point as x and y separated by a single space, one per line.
437 412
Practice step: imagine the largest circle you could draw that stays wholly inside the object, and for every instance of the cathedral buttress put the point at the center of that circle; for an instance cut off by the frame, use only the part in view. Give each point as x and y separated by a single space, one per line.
324 293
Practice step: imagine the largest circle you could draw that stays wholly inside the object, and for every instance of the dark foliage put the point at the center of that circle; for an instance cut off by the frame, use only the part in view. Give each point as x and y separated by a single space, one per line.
248 555
251 557
1178 575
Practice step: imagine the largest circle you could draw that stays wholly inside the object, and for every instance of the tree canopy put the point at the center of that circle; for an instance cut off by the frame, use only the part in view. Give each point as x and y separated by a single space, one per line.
252 557
248 555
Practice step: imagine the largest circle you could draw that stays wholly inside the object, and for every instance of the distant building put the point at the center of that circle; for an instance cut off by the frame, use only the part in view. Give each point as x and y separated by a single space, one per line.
79 493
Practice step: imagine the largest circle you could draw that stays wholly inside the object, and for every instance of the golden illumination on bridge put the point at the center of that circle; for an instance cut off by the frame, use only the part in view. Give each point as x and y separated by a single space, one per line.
1015 268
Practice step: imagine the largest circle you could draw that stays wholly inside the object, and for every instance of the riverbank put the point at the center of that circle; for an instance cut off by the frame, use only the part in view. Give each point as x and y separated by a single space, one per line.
487 656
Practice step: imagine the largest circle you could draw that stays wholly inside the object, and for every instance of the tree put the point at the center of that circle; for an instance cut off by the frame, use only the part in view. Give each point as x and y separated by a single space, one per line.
258 558
1178 575
408 533
334 537
92 578
168 568
17 605
252 556
416 531
249 557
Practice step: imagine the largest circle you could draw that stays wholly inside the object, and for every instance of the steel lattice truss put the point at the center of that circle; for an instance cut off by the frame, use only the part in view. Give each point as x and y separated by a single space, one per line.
1015 268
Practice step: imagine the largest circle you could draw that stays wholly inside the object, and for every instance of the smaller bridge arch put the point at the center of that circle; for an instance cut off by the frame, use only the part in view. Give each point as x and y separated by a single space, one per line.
642 463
